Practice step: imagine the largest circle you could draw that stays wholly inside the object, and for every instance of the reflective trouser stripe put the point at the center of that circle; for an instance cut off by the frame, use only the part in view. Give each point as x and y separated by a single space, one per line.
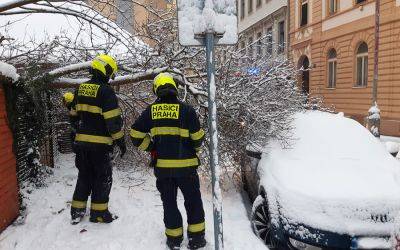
137 134
169 131
88 108
145 144
164 163
117 135
112 113
198 135
99 206
174 232
94 139
195 228
78 204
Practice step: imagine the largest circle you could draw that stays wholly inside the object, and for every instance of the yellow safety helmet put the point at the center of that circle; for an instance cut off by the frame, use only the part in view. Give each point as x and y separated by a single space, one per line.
68 97
106 65
163 79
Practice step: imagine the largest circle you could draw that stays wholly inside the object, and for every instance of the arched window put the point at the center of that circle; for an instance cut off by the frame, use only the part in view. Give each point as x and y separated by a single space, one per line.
332 66
362 65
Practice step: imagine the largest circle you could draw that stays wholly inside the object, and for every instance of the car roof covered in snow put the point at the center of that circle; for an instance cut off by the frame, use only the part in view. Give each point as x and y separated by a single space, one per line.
333 152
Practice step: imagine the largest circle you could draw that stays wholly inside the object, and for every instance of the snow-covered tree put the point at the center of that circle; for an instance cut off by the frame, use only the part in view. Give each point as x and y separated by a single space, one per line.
257 92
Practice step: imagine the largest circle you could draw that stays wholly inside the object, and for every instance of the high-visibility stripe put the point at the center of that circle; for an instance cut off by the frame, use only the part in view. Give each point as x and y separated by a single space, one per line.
99 206
137 134
198 135
94 139
117 135
78 204
195 228
112 113
164 163
174 232
169 131
145 144
89 108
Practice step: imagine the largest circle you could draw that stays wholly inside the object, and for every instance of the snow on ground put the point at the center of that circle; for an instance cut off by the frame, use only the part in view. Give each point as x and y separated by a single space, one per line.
8 71
140 225
336 176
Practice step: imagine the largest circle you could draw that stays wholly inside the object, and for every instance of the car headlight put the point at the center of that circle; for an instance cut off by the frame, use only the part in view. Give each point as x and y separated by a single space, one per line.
302 246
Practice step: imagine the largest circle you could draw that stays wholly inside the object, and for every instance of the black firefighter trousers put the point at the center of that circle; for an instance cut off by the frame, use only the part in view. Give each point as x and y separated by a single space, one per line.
94 178
190 188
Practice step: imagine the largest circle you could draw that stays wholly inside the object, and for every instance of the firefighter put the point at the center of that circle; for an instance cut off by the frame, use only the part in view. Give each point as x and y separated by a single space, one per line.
100 127
171 131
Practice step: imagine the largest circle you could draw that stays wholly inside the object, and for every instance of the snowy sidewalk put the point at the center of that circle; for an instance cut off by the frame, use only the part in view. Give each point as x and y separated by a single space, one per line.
140 225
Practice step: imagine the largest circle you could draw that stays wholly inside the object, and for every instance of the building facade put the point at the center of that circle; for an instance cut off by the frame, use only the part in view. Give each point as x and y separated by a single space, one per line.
131 15
332 42
266 20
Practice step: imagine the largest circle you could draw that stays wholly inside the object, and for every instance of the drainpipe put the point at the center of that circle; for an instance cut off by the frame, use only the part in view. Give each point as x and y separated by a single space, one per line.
374 118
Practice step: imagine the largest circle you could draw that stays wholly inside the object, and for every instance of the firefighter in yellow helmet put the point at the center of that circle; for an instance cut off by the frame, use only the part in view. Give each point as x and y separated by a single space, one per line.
170 130
100 128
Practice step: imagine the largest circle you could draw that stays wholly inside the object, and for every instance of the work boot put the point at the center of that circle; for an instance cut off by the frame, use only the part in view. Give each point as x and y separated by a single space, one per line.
77 215
102 216
174 243
197 242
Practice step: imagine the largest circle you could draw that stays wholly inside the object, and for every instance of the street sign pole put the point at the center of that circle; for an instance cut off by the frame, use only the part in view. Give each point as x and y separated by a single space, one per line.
213 147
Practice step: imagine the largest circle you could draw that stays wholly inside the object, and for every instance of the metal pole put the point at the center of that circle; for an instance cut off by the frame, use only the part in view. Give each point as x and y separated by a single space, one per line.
374 114
212 123
376 52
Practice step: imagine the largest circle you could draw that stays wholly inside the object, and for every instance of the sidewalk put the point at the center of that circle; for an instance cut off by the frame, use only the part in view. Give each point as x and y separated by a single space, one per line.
134 198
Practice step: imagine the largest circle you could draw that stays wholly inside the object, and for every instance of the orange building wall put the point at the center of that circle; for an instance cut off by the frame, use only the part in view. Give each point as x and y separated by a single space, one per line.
355 101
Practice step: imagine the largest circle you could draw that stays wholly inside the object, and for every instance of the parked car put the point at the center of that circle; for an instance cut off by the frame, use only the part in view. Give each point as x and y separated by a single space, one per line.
334 187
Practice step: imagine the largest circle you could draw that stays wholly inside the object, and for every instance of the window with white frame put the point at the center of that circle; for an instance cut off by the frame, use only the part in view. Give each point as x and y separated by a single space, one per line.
250 48
242 8
362 65
250 6
332 6
259 44
303 12
332 68
281 36
269 41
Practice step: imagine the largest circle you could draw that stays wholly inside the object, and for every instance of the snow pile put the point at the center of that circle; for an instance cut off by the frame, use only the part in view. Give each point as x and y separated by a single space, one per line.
134 198
8 71
335 177
197 17
392 147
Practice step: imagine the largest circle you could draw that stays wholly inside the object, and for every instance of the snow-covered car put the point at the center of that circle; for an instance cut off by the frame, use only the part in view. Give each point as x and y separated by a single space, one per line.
334 187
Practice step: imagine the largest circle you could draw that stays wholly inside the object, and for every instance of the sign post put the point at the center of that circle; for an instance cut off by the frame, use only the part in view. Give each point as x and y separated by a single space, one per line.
209 23
214 161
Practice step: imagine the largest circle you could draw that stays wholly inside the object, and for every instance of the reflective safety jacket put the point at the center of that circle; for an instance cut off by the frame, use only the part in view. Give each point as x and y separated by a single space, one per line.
100 121
171 129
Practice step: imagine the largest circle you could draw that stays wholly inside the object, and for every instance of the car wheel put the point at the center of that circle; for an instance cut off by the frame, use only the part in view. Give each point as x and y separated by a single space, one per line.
261 222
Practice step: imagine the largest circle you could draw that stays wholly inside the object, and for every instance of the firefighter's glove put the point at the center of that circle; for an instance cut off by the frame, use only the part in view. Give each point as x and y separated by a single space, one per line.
122 146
